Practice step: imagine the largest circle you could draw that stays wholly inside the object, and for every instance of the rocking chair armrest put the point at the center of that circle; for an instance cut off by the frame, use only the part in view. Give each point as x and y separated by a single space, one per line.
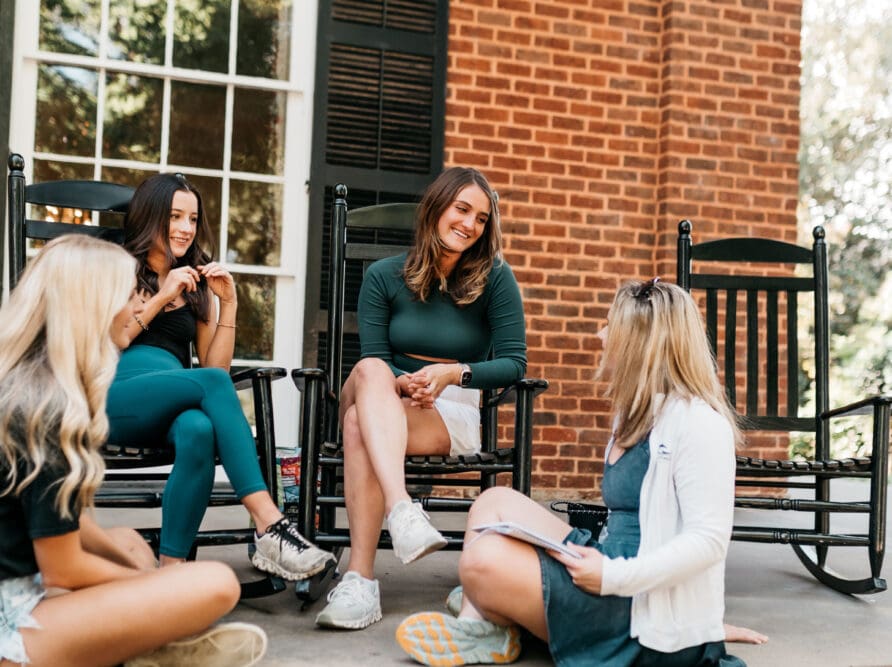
531 386
862 407
304 377
244 378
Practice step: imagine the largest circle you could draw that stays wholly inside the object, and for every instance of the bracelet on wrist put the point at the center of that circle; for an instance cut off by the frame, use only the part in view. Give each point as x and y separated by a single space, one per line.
228 326
140 322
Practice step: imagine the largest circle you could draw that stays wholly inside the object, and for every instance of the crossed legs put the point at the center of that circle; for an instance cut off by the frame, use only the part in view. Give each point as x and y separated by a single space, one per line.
379 430
107 624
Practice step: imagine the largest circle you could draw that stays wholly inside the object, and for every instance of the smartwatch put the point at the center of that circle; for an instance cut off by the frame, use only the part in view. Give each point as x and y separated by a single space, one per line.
465 376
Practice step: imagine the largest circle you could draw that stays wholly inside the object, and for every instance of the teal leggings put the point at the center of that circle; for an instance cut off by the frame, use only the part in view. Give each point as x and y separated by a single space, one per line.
196 410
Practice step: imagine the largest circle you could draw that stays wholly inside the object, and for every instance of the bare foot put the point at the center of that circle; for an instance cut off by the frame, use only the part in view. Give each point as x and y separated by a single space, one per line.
743 635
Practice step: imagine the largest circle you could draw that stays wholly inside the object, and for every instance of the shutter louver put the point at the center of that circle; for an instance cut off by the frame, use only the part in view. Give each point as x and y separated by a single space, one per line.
378 123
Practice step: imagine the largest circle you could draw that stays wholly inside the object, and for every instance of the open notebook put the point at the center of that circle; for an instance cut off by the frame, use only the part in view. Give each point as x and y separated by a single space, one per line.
518 532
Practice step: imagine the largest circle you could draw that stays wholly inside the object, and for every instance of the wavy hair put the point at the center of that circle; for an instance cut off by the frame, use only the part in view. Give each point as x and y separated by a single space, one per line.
468 279
656 344
148 218
57 360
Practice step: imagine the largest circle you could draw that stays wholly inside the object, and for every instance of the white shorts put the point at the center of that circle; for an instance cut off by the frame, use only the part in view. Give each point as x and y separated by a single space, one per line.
460 409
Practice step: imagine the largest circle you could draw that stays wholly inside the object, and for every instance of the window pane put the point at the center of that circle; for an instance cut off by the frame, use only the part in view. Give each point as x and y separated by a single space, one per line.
136 30
131 177
255 223
70 26
66 110
53 170
256 316
132 118
210 187
264 38
201 35
258 131
197 116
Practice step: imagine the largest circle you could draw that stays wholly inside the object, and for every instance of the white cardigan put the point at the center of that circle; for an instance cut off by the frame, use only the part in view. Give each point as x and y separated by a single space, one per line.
677 580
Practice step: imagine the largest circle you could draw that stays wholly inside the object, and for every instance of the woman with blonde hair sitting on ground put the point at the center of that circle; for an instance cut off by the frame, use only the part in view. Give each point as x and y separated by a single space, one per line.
72 593
652 592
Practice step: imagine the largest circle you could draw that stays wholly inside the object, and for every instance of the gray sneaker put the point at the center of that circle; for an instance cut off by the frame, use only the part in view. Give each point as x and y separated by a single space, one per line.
353 604
411 532
224 645
283 551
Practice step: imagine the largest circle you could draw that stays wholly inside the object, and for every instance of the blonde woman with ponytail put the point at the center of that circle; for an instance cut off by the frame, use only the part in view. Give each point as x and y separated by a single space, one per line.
72 593
650 593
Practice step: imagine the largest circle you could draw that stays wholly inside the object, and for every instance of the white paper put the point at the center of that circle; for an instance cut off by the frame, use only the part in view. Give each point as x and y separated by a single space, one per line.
518 532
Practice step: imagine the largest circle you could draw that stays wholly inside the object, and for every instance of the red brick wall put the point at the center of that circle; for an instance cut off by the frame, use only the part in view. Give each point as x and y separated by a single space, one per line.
602 123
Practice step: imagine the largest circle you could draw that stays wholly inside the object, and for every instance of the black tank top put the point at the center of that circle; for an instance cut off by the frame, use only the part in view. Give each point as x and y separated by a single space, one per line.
172 330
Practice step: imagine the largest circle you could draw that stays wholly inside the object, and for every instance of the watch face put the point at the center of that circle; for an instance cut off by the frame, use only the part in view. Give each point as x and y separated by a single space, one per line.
465 378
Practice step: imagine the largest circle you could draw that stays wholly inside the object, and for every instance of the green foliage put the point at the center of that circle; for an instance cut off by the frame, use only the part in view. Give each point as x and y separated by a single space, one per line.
845 172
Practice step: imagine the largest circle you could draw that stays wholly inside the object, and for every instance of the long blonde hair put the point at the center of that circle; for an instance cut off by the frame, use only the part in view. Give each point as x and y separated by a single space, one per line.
468 279
656 344
57 360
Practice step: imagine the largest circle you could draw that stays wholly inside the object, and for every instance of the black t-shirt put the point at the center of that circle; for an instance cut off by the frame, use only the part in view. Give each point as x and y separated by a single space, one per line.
30 516
171 330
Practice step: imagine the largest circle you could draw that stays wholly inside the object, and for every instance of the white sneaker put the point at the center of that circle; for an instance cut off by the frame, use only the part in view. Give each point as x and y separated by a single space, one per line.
411 532
454 601
224 645
283 551
353 604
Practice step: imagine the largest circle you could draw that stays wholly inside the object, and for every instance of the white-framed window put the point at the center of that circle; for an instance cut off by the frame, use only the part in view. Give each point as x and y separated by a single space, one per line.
220 90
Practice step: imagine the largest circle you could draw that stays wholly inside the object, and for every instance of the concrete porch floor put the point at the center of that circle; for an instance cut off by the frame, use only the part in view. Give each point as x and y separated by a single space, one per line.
766 589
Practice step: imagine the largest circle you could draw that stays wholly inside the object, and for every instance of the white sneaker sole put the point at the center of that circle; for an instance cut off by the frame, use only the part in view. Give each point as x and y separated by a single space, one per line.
264 564
422 551
242 655
358 624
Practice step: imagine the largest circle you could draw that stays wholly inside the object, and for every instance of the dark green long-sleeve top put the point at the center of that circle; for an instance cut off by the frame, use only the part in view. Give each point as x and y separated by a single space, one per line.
392 322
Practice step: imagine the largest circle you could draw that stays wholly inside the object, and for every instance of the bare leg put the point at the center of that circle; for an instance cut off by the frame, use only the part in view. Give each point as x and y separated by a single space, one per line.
379 429
506 595
262 509
110 623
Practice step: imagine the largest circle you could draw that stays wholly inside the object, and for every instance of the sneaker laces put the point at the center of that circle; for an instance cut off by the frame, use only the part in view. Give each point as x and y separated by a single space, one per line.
284 530
415 517
348 588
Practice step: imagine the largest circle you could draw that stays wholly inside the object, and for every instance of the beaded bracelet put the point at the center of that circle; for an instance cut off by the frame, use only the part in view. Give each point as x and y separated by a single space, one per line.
140 322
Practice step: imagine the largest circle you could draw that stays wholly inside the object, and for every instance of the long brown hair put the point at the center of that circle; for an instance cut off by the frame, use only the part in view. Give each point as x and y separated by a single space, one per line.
656 344
148 218
468 279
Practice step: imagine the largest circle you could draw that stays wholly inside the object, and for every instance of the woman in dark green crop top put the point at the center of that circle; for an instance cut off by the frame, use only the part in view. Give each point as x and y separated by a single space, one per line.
157 397
436 325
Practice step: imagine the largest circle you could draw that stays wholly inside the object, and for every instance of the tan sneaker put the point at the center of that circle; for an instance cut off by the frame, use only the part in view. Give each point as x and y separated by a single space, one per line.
224 645
411 532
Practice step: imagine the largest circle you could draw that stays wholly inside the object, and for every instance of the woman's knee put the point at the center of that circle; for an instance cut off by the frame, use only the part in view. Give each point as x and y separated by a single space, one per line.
192 435
370 369
134 545
492 501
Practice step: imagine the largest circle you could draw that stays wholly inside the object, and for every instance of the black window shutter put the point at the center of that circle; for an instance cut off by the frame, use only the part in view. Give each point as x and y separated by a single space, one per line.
378 123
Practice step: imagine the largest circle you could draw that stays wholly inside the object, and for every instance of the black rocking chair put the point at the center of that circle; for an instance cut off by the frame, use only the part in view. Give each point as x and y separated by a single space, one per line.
753 298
